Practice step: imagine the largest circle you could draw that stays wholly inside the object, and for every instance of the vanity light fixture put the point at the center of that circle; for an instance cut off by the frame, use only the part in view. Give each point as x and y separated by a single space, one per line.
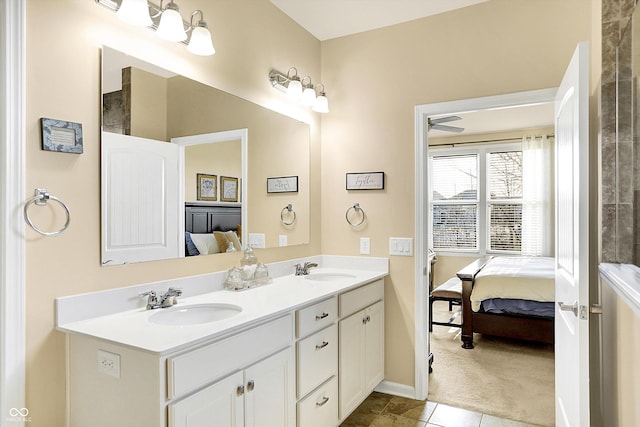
171 27
309 93
166 21
135 12
291 84
322 103
294 88
200 42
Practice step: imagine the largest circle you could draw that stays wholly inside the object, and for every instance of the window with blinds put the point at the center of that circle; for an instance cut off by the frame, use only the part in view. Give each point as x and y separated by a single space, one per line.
454 196
504 201
476 201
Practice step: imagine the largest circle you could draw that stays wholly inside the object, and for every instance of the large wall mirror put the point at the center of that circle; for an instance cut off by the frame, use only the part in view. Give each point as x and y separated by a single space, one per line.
185 168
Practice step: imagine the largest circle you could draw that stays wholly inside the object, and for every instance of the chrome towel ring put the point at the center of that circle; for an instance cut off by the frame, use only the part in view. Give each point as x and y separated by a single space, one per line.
357 210
40 198
288 210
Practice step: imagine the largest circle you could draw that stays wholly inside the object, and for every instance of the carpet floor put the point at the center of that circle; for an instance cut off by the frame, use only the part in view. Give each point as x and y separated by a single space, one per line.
506 378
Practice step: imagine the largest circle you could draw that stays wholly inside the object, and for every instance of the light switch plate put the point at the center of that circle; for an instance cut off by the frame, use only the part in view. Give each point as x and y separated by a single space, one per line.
365 246
282 240
401 246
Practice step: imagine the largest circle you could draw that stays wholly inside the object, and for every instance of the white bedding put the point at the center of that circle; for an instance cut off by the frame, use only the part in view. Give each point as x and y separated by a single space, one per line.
530 278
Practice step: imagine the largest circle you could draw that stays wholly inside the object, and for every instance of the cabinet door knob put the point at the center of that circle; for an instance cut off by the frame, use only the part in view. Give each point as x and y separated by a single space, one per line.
322 316
323 401
250 385
323 345
240 390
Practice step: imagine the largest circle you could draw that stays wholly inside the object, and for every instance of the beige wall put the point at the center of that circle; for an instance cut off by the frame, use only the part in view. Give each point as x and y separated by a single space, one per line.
149 98
63 81
220 159
374 81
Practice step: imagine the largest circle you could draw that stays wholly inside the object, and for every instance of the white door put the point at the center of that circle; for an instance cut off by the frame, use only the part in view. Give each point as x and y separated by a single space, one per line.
140 204
374 346
270 391
572 243
351 364
220 404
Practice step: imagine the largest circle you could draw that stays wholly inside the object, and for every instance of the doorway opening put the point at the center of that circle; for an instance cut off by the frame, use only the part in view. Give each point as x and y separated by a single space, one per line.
476 115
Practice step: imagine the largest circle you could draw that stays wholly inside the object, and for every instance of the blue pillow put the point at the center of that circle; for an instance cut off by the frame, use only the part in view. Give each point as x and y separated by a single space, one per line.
191 247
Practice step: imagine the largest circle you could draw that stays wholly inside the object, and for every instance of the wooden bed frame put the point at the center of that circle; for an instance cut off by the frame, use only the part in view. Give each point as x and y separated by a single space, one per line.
501 325
201 218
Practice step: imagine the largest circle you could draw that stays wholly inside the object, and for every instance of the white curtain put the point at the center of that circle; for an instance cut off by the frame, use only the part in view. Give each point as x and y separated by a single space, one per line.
538 196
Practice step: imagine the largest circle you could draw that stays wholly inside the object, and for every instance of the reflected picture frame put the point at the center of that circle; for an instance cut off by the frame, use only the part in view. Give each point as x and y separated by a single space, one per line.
228 189
207 187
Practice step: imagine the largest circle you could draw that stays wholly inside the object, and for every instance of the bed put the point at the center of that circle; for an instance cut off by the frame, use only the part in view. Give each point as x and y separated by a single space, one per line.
511 297
212 229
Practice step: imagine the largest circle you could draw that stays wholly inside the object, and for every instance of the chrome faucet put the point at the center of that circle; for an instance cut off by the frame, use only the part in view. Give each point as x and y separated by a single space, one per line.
168 299
303 270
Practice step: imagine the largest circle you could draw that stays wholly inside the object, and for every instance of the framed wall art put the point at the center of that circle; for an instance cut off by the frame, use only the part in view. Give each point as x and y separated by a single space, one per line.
228 189
207 187
61 136
282 184
365 181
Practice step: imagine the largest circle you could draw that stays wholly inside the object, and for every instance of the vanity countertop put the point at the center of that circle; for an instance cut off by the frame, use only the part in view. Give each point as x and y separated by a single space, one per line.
133 329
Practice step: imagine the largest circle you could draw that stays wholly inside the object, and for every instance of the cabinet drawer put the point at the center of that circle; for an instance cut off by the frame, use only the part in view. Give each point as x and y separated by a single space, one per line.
361 297
204 365
320 408
316 316
317 359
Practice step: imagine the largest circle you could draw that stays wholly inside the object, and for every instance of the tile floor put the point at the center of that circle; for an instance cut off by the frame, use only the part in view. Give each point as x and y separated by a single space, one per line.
383 410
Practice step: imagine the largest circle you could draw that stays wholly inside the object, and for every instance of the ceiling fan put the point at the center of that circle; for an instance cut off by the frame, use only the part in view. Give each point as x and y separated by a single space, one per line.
436 124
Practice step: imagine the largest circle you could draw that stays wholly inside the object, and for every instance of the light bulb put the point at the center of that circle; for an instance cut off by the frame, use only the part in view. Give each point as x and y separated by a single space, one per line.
309 96
200 43
171 26
322 104
294 89
135 12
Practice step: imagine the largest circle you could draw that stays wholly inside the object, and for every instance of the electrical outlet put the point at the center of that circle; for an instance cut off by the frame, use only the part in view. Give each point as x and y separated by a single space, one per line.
257 240
282 240
109 363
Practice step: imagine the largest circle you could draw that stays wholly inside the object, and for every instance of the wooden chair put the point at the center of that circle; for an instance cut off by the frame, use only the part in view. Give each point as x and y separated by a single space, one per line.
450 291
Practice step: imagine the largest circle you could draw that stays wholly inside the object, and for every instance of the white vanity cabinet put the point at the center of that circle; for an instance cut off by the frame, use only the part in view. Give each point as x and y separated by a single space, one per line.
260 395
361 330
317 357
245 379
298 365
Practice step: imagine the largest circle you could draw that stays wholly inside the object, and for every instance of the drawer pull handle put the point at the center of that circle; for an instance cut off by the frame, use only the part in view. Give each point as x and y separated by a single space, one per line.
323 345
250 385
322 316
323 402
240 390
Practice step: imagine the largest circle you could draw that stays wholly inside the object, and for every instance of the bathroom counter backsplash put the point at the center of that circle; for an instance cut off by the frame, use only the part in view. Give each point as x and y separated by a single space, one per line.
123 318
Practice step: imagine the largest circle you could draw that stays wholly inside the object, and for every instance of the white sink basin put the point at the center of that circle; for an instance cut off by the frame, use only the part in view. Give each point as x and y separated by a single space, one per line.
194 314
329 277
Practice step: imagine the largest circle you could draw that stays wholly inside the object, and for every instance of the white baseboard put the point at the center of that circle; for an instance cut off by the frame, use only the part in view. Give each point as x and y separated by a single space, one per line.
396 389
